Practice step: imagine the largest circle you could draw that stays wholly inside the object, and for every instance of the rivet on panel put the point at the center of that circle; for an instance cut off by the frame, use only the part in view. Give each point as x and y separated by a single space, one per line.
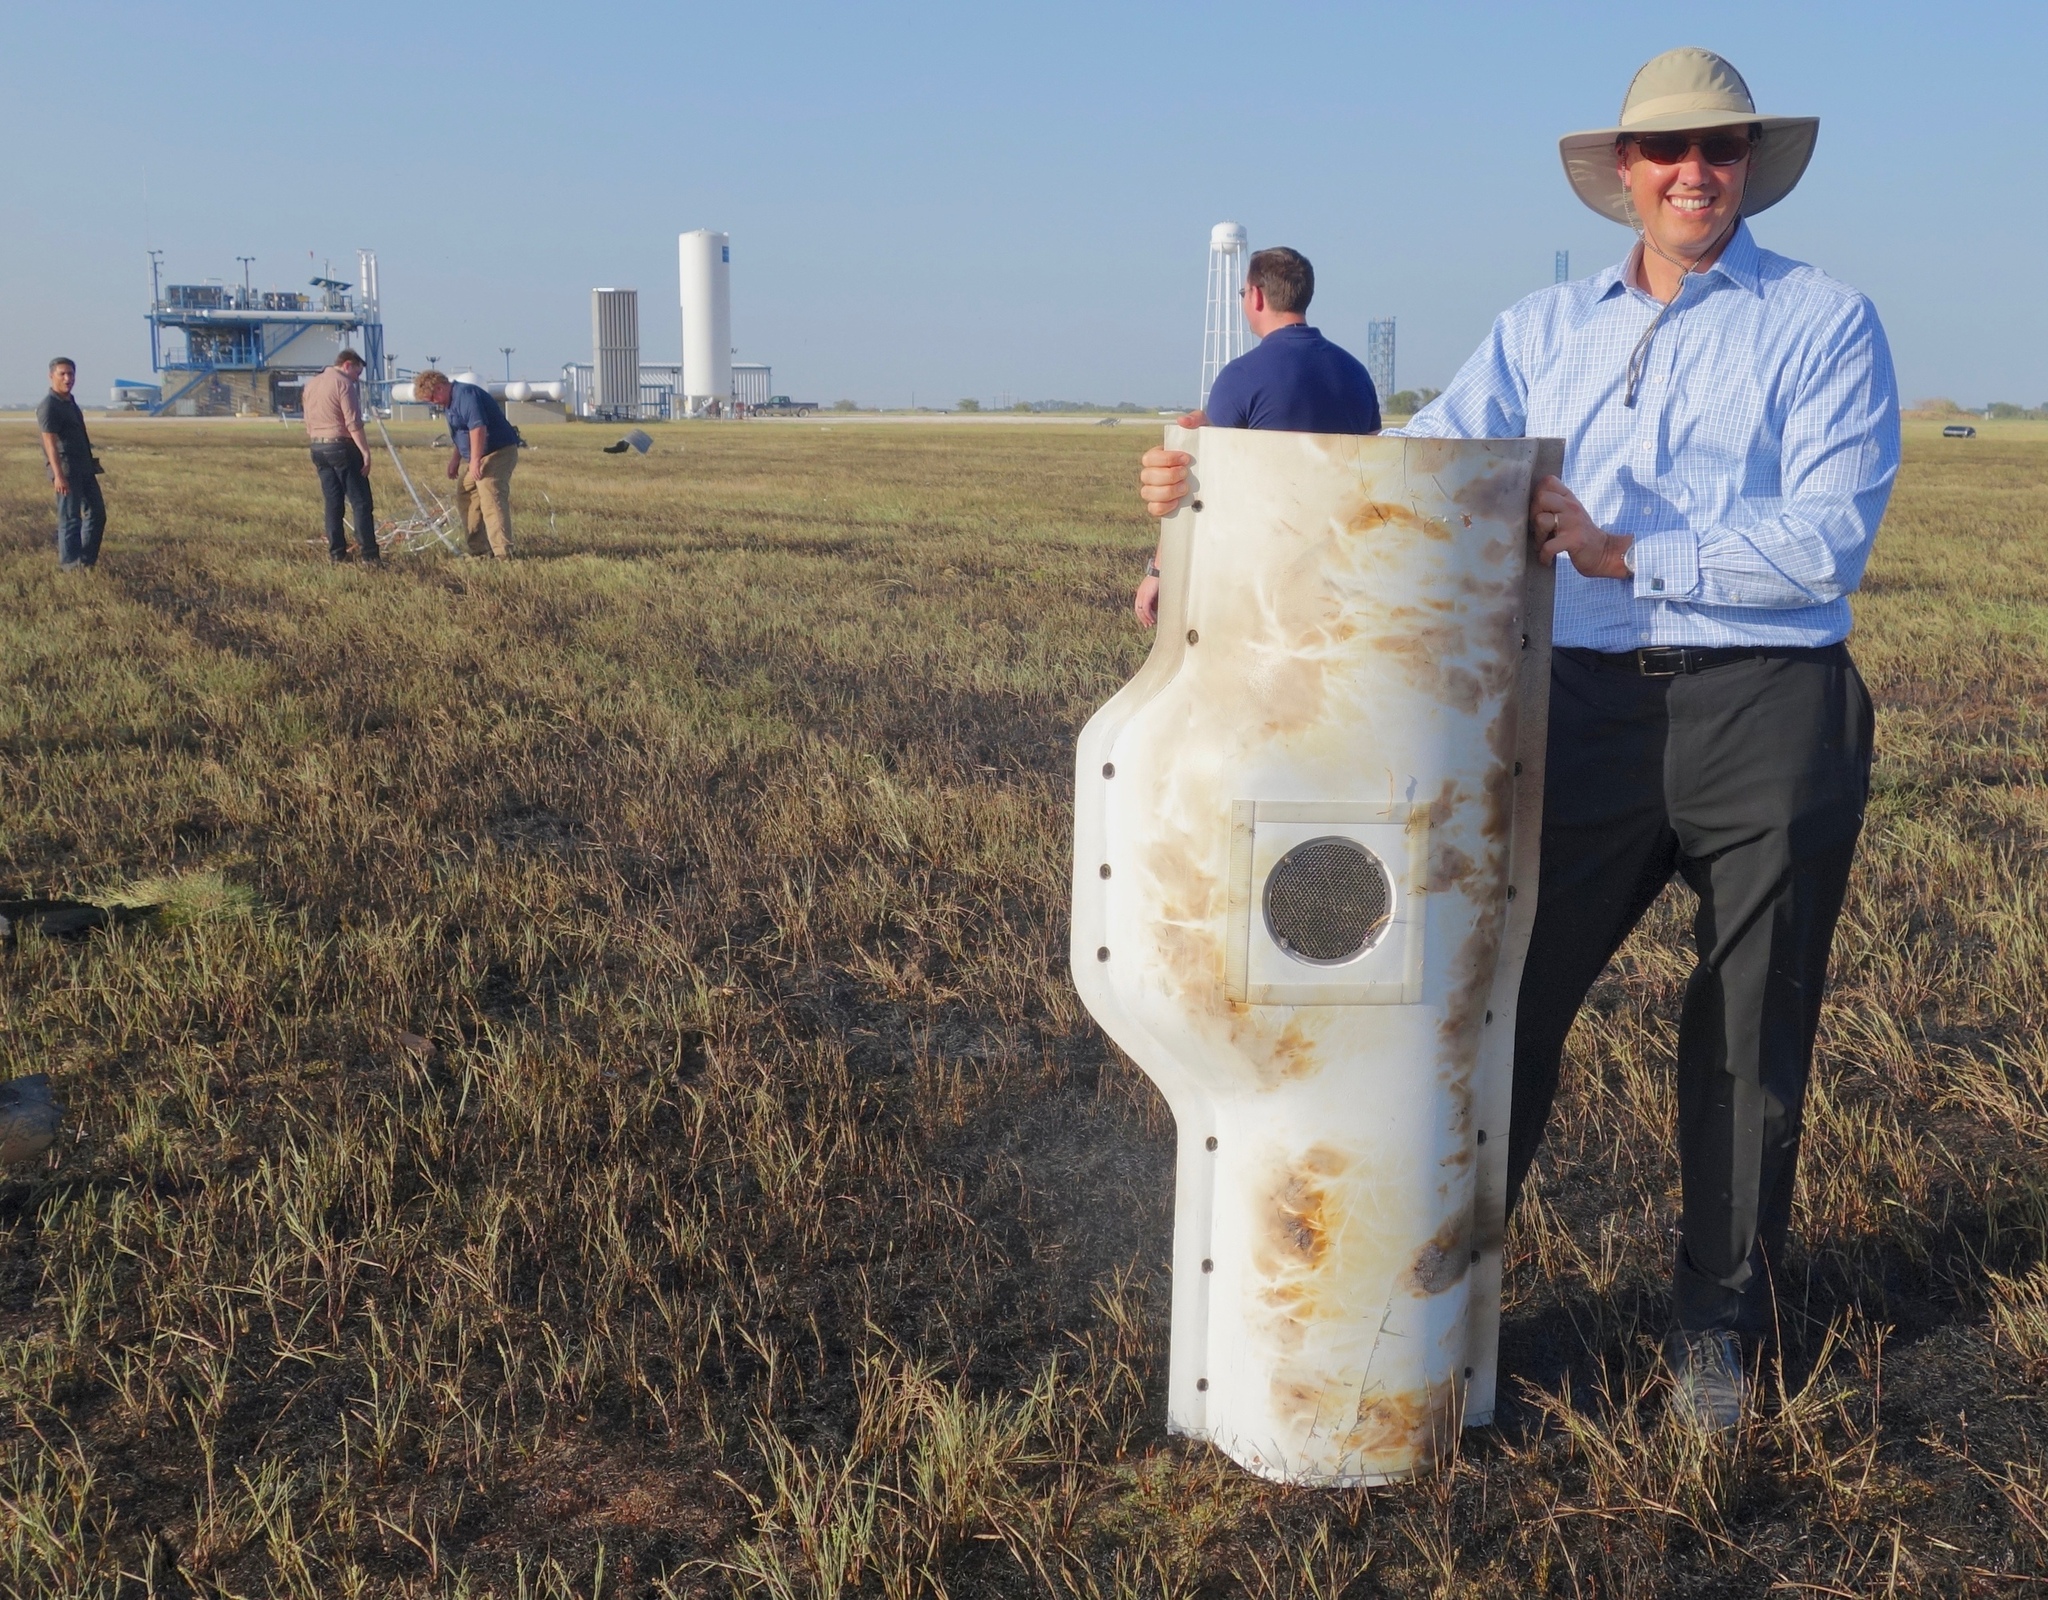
1211 1143
1518 769
1109 769
1208 1266
1194 505
1201 1383
1194 637
1511 891
1482 1136
1468 1372
1102 954
1489 1015
1105 869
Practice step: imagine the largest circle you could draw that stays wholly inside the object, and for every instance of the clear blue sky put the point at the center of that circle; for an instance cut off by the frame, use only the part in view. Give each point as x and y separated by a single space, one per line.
973 199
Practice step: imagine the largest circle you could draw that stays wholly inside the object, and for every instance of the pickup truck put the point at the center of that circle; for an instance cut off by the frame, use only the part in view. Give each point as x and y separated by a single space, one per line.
780 405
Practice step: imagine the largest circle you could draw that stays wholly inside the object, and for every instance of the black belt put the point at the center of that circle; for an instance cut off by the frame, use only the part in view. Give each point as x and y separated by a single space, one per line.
1676 660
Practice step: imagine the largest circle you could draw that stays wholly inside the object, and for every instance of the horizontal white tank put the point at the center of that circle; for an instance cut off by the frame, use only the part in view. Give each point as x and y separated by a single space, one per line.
704 271
1304 868
526 389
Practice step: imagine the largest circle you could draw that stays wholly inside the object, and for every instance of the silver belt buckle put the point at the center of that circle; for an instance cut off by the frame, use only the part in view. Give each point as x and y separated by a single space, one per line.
1650 660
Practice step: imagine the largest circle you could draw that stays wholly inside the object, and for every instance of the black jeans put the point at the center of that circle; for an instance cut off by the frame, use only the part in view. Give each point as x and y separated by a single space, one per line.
81 519
342 473
1749 781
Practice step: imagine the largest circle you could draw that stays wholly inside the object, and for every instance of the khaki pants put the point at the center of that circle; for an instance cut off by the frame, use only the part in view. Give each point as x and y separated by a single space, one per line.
486 506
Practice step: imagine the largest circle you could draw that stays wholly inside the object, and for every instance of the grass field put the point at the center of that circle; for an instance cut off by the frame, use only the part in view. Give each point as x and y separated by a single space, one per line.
611 1118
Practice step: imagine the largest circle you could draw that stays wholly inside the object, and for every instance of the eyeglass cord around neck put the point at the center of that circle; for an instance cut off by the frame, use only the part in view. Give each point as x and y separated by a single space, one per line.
1640 356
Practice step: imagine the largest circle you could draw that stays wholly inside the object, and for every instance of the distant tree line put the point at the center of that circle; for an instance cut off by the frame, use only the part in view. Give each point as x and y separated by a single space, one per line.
1129 408
1998 410
1406 402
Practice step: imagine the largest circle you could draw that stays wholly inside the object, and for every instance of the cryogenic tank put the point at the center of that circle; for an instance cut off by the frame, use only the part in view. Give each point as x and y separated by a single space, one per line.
1305 864
615 348
705 266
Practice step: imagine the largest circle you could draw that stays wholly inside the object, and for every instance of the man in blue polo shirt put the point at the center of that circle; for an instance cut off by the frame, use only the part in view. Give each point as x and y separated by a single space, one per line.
486 451
1293 381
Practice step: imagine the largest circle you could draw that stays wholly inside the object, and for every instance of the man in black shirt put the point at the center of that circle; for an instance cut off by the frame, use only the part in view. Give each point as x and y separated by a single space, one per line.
81 513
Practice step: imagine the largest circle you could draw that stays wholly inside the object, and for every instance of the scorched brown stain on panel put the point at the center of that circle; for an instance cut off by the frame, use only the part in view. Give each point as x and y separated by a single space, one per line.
1448 866
1501 498
1441 1263
1296 1232
1186 937
1373 516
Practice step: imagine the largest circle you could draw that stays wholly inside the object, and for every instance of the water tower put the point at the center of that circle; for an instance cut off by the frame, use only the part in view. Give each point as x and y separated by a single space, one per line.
705 267
1224 334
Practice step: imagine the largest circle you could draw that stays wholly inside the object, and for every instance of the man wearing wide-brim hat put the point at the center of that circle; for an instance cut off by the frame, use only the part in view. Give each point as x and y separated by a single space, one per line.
1732 432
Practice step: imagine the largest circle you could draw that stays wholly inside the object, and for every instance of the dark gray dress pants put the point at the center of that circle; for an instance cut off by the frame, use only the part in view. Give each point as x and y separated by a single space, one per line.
1749 781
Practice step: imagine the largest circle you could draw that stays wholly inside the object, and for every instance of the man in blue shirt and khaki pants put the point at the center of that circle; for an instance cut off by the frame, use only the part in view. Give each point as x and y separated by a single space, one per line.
1731 425
486 450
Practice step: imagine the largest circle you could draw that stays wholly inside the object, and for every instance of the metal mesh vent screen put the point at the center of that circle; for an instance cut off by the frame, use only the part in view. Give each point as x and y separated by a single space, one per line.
1327 900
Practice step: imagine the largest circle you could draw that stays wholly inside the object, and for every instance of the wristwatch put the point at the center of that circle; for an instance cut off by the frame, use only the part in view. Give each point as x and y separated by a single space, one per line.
1151 569
1628 558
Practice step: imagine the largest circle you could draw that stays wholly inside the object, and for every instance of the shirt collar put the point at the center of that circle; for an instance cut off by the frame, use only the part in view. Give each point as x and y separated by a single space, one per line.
1739 263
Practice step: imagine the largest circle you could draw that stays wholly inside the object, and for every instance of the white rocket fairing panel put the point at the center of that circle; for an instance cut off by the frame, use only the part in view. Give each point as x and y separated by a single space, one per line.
1305 865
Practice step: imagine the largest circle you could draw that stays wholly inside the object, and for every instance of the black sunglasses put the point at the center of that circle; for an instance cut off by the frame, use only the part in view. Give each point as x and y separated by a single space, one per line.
1716 149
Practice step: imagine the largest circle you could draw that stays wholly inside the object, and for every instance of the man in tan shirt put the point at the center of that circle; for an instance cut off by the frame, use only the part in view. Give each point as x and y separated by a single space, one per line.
341 453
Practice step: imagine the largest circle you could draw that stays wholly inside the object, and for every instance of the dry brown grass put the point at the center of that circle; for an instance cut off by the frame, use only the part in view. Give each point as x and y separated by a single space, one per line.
612 1117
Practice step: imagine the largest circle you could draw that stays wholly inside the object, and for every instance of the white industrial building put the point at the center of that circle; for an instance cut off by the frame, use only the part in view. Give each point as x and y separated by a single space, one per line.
615 344
616 385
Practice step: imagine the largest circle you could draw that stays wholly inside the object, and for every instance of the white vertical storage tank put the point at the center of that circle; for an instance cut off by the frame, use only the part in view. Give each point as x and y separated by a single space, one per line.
615 347
1304 873
705 269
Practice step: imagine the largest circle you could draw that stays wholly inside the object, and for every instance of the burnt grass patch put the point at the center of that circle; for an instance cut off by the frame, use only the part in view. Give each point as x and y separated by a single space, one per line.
646 1144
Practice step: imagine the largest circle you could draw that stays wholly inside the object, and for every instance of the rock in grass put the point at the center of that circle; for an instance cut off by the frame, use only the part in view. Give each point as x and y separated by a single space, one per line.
65 919
28 1118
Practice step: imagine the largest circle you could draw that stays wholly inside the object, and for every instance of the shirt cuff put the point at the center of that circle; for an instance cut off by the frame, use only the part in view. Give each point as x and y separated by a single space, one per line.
1667 564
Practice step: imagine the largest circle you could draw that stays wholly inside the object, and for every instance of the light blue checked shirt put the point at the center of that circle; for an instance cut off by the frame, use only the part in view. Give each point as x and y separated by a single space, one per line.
1753 469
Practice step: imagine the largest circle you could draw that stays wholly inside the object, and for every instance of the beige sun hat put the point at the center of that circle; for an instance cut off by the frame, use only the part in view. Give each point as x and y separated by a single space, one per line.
1680 91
